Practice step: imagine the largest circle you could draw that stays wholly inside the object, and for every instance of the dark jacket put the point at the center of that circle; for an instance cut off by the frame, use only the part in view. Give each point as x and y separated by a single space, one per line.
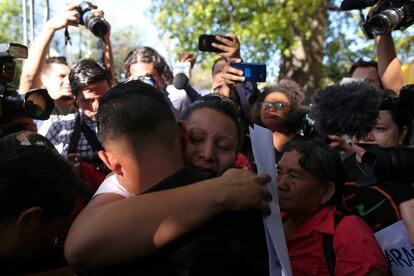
230 244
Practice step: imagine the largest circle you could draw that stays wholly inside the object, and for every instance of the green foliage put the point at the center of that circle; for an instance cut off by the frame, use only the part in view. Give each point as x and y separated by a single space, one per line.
123 41
11 28
264 27
84 44
404 42
11 21
344 45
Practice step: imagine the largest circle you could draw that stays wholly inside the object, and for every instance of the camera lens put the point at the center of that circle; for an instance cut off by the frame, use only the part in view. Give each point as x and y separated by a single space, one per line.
95 24
387 21
389 164
38 104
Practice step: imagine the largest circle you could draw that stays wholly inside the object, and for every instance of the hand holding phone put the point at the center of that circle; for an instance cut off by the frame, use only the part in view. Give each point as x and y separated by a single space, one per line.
205 42
253 72
230 46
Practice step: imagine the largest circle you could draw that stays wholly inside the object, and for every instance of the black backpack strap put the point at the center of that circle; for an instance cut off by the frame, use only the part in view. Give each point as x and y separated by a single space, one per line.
75 136
91 137
328 249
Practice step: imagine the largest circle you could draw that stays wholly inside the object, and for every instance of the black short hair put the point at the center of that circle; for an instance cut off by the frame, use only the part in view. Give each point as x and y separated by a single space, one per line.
85 72
148 55
220 104
133 109
54 60
57 60
400 115
321 161
35 175
362 63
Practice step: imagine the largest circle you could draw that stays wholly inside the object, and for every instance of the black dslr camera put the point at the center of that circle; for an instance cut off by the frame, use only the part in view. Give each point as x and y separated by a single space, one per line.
387 16
386 164
36 104
97 25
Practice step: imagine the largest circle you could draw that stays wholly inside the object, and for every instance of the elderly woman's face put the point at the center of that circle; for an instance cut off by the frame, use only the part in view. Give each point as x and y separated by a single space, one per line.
300 193
385 134
274 110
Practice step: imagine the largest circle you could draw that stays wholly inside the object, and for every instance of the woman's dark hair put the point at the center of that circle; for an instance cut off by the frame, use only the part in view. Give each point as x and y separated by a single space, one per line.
35 175
287 87
400 115
148 55
321 161
295 97
220 104
85 72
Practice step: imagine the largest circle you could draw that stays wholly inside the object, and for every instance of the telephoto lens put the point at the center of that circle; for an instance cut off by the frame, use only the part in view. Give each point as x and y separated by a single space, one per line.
388 164
97 25
388 20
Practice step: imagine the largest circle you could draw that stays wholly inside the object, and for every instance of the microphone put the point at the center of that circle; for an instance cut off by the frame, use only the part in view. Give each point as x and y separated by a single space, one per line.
180 81
348 109
348 5
181 71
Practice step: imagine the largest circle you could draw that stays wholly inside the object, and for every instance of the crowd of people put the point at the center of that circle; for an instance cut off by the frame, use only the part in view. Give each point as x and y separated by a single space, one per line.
142 178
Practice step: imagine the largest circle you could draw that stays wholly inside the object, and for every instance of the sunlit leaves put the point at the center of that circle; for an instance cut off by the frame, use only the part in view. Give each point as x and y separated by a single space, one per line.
265 27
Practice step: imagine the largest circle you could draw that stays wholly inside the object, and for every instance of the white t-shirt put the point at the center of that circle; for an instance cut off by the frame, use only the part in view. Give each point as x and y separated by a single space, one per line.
111 185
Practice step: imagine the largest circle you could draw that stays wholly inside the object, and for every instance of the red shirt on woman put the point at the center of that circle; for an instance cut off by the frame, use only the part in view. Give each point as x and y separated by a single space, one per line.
356 250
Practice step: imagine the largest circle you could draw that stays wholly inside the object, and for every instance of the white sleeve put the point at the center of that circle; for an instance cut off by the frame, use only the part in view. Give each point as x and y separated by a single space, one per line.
112 185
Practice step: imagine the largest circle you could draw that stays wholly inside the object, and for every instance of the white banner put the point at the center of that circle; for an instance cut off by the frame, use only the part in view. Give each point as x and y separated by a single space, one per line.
264 155
397 249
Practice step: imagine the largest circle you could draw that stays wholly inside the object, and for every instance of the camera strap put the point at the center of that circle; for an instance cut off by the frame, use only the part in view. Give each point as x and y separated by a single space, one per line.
90 136
100 46
328 248
68 48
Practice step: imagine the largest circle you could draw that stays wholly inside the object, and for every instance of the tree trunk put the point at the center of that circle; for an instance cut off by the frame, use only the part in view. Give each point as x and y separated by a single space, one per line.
304 65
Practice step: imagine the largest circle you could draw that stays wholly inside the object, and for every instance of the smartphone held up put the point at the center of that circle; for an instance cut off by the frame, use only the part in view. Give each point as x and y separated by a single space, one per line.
205 42
253 72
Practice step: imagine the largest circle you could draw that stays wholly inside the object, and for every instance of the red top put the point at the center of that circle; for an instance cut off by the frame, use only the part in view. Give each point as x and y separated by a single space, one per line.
356 250
242 162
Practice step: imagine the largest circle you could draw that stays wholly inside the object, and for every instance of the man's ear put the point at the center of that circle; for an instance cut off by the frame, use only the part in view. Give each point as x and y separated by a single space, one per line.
29 220
328 192
45 79
110 161
182 133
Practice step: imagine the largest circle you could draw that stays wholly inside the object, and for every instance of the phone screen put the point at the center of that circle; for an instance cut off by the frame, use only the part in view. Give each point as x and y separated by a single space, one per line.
251 71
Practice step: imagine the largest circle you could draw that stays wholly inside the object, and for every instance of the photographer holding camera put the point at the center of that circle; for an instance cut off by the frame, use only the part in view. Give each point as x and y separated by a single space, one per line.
377 122
53 73
16 111
74 135
385 73
383 17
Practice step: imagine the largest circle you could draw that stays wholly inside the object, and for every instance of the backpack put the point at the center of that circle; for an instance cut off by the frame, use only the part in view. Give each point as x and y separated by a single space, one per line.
328 249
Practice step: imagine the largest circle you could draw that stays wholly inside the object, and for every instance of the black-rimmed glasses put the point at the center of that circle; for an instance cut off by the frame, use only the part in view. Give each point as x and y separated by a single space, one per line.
277 105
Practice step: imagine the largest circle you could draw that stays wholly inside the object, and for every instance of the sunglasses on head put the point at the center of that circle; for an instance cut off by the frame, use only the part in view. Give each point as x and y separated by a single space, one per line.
276 105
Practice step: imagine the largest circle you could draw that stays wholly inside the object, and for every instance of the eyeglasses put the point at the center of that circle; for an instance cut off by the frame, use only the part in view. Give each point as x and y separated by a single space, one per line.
276 105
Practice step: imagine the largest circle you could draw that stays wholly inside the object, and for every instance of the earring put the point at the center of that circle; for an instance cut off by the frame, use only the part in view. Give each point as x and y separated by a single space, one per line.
56 241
